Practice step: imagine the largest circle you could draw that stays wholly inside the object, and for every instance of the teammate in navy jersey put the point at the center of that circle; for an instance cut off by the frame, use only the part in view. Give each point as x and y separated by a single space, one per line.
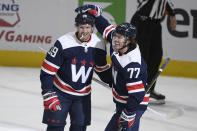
128 71
66 76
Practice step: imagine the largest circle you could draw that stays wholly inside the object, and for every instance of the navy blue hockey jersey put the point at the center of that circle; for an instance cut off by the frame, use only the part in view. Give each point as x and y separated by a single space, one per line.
128 71
69 64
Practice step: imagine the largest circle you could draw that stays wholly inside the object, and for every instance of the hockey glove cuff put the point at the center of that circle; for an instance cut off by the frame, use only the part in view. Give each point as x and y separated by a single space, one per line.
51 101
126 120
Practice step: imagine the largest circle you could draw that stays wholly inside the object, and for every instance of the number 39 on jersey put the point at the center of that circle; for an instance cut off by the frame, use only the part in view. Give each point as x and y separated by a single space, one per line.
53 51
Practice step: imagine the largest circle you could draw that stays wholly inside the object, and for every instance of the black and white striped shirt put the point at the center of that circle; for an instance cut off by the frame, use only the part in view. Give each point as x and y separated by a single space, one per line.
155 8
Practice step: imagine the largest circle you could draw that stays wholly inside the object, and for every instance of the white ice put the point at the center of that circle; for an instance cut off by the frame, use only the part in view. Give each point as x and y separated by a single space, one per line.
21 103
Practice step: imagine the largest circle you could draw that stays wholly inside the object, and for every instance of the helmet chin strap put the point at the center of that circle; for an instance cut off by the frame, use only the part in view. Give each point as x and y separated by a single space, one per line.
122 48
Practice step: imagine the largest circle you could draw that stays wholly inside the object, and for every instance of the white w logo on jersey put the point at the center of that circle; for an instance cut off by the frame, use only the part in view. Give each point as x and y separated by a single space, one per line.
81 73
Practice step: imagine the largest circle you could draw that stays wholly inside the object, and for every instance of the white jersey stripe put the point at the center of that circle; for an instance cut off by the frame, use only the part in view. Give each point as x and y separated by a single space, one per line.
71 93
51 64
136 91
134 83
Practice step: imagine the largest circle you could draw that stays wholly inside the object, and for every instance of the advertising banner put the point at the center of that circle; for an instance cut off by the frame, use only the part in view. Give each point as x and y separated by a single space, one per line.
28 28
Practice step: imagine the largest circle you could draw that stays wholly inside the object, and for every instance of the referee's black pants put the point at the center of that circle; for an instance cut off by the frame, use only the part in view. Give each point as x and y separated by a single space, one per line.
149 39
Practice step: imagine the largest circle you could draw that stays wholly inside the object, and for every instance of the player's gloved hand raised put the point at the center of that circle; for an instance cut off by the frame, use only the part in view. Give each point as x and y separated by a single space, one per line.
126 120
51 101
94 10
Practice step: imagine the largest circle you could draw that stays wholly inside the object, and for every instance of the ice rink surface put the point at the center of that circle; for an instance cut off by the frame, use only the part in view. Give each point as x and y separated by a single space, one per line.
21 103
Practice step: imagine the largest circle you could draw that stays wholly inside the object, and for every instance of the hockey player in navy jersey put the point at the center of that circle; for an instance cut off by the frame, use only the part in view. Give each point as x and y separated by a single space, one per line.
128 71
66 75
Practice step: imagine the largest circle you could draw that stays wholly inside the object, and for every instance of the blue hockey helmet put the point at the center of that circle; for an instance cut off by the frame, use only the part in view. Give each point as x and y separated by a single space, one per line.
84 18
127 30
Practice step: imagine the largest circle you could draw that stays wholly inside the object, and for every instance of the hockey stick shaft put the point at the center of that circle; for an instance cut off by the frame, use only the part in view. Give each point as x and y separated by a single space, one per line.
100 82
157 74
158 114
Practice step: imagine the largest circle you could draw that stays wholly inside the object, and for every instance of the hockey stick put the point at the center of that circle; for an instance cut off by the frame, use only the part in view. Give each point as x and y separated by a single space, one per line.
156 113
170 115
164 116
157 74
100 82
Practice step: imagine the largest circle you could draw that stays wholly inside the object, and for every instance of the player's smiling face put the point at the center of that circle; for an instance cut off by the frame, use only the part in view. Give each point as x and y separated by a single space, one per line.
84 31
118 41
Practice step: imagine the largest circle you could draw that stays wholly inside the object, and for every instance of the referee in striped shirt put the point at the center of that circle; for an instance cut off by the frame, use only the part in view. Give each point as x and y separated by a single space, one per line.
147 20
